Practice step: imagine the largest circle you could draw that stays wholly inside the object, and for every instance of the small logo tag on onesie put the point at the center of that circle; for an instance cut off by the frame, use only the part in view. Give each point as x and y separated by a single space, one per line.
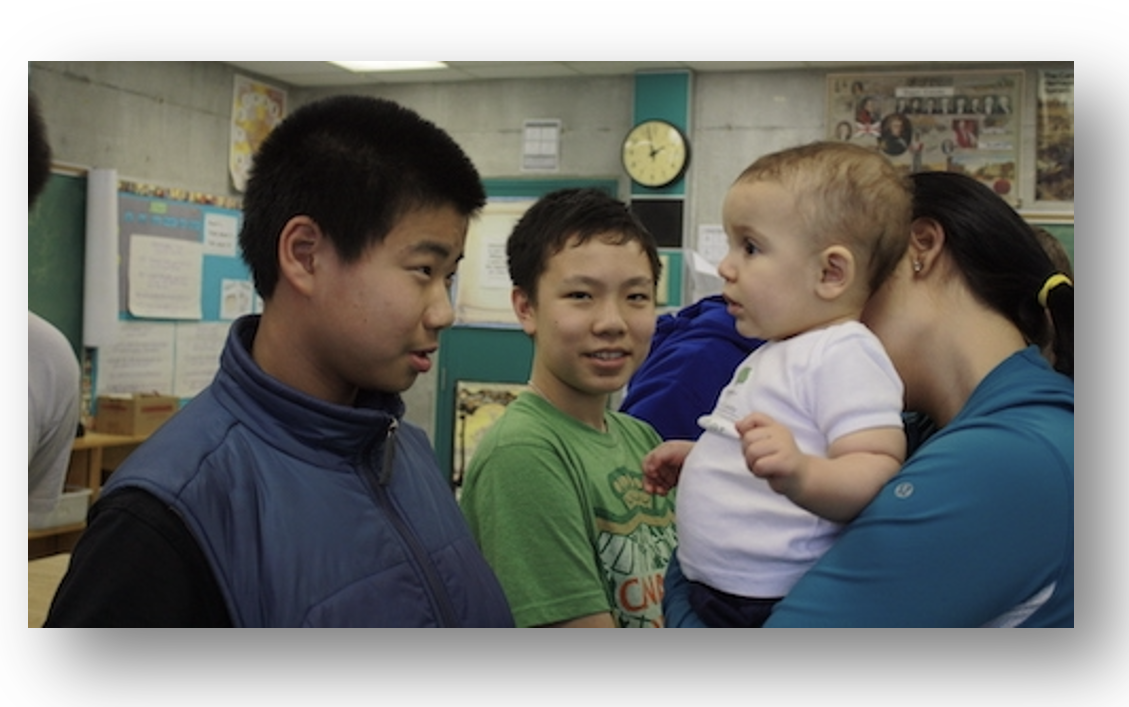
724 416
718 424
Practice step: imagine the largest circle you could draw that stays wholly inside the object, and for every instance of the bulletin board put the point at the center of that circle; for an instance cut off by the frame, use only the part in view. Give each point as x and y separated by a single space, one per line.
180 282
1054 137
967 122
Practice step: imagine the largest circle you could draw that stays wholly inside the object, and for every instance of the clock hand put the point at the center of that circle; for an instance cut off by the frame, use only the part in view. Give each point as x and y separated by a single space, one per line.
650 143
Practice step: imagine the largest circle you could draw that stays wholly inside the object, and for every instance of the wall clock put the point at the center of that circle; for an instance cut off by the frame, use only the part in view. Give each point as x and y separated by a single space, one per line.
655 153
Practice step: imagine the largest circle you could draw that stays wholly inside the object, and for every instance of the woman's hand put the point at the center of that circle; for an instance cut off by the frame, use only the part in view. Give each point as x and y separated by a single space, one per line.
663 464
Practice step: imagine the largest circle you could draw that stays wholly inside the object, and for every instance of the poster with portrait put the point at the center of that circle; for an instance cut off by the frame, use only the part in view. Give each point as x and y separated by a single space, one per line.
1054 136
478 405
256 108
965 122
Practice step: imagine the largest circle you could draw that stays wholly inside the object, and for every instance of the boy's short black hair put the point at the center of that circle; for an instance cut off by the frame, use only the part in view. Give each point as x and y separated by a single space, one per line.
560 216
38 152
355 165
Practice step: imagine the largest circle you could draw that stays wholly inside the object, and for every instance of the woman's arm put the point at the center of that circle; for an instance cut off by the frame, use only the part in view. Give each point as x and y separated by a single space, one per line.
976 524
836 487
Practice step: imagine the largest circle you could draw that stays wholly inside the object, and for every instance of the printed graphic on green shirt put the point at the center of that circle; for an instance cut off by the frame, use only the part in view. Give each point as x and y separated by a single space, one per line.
635 548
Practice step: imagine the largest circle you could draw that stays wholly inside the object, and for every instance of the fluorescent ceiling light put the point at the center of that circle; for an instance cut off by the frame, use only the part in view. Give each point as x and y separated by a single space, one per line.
362 66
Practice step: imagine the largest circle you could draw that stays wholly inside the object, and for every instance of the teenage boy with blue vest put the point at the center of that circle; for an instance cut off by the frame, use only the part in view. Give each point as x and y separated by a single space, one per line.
290 492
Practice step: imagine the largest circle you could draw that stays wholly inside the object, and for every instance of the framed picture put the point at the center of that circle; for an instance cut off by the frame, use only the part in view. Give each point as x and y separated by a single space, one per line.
256 108
478 405
1054 137
965 122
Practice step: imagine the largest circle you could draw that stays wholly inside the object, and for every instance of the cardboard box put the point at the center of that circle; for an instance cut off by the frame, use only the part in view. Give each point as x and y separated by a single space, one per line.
137 414
71 509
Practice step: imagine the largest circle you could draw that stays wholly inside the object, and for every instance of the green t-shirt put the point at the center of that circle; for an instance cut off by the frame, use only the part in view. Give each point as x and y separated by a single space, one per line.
559 510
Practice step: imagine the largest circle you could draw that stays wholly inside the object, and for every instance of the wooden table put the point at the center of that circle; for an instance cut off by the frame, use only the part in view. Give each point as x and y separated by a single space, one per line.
43 577
93 456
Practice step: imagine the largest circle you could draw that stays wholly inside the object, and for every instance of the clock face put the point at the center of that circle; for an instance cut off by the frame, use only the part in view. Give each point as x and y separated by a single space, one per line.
655 153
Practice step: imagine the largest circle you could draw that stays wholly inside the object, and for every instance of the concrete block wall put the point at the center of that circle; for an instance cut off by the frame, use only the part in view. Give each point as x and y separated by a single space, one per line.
168 123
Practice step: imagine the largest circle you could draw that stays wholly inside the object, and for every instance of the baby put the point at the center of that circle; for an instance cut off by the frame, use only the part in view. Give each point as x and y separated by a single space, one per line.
815 413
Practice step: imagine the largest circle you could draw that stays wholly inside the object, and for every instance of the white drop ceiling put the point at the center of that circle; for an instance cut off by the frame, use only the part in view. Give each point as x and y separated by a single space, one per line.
323 73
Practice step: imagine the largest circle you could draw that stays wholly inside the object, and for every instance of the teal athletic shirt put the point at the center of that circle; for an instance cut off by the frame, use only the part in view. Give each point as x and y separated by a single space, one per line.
977 529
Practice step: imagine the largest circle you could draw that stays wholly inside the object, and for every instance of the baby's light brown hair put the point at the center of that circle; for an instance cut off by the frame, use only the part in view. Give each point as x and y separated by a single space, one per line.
845 195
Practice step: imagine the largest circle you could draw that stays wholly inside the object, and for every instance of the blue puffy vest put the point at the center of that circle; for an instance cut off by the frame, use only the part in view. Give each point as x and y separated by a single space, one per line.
313 514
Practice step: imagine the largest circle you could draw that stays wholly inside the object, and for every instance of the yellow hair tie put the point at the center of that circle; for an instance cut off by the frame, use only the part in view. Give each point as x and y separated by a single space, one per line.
1052 282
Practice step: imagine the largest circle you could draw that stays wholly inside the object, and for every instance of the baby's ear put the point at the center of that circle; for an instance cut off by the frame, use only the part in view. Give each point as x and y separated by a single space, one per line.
837 271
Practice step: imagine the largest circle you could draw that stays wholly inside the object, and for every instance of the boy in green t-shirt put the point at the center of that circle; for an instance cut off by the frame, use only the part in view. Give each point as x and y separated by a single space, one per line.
554 494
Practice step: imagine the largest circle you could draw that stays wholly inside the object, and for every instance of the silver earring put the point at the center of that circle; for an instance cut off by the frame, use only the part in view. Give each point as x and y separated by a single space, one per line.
917 266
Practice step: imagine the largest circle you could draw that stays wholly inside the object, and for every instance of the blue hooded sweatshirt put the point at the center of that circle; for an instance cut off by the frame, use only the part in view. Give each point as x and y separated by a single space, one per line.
693 355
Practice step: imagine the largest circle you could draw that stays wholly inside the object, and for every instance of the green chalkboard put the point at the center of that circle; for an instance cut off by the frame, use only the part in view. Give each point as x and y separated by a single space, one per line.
56 248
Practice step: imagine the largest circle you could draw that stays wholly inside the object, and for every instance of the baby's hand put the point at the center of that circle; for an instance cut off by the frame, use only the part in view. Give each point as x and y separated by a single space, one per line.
771 452
663 464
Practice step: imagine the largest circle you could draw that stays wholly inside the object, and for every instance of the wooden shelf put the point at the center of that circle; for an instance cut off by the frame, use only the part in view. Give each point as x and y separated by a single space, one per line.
55 530
91 440
93 457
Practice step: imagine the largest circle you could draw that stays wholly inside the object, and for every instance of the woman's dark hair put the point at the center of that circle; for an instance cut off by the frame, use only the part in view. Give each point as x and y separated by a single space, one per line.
1000 258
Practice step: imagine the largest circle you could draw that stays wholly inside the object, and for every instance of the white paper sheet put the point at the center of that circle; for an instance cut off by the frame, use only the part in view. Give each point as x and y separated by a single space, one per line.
140 359
198 349
165 276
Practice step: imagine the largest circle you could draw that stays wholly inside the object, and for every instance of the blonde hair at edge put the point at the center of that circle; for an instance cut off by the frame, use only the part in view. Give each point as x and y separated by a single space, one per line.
845 195
1055 250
